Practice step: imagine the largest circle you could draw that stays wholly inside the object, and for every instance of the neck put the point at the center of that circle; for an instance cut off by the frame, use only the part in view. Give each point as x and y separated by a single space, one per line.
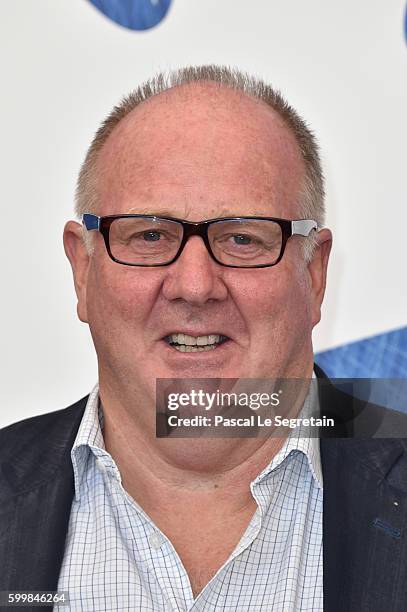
172 491
161 468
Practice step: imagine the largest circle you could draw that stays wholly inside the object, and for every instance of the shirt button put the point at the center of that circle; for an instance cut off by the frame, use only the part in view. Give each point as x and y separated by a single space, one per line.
156 540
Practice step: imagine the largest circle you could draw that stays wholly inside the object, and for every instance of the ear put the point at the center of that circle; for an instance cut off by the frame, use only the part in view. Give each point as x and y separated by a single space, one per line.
78 256
318 267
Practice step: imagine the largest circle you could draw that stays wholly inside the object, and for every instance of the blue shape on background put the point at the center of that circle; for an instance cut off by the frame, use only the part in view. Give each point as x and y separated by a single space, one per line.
134 14
380 357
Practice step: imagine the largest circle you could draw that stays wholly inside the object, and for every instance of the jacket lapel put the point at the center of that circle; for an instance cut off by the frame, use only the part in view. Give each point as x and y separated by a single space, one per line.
364 521
35 499
32 542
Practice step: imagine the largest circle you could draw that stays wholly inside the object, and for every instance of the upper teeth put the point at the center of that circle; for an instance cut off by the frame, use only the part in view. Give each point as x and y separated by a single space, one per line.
194 340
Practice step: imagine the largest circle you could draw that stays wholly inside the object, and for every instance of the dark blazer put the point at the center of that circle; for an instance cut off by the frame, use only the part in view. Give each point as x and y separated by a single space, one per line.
364 514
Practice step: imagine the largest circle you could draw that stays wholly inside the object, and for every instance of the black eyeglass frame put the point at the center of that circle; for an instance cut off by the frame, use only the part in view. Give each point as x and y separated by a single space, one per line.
289 228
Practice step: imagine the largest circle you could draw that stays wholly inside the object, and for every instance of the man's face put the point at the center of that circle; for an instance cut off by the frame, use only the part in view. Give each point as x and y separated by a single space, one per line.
196 153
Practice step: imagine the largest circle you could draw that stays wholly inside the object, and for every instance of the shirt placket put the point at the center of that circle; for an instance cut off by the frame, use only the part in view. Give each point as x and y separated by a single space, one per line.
156 554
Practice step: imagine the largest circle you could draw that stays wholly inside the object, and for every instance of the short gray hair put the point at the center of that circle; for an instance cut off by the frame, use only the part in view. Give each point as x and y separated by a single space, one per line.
312 197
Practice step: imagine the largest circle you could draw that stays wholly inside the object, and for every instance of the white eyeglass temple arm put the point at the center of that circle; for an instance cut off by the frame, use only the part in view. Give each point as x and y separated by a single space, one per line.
303 227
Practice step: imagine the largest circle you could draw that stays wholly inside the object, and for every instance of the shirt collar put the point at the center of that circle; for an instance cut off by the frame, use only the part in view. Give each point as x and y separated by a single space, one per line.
89 436
309 446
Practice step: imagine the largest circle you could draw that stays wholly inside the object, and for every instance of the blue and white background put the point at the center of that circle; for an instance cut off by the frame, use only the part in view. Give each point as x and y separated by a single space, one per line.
64 64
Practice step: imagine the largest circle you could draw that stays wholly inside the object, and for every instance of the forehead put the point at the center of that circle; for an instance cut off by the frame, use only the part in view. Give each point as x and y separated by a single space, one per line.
201 151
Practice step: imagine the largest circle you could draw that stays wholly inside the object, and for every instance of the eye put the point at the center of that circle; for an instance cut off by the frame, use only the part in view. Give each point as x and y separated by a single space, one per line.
242 239
151 236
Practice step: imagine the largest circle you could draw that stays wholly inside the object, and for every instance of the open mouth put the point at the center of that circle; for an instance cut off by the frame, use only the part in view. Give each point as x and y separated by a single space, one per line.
195 344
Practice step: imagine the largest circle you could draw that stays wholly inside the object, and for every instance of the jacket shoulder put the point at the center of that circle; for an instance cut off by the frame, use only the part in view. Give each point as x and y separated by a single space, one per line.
34 447
23 430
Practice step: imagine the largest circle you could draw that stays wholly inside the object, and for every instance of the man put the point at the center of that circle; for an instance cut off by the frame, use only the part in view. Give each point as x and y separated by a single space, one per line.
95 504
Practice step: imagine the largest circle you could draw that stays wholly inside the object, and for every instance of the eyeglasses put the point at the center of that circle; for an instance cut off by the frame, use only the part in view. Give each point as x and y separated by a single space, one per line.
235 242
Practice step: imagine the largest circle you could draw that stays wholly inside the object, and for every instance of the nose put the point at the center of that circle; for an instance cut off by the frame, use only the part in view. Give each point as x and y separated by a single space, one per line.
195 277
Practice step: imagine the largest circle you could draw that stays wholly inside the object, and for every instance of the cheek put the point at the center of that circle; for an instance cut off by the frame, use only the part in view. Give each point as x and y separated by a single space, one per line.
120 297
275 302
